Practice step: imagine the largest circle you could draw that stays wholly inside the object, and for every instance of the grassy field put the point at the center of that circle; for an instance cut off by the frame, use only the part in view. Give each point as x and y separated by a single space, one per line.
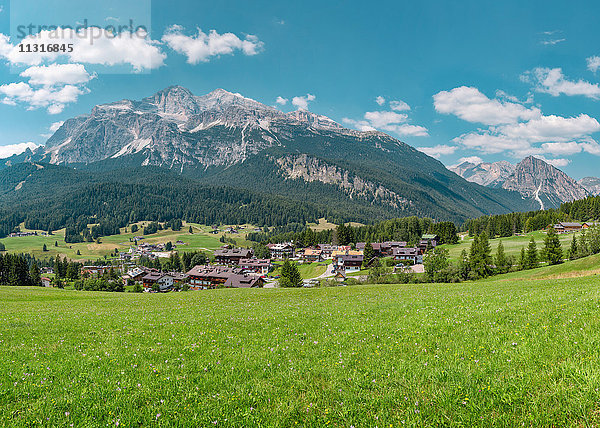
493 353
201 239
512 245
307 271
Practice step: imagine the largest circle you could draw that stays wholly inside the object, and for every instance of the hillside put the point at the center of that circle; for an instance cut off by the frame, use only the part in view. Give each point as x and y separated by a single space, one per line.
223 138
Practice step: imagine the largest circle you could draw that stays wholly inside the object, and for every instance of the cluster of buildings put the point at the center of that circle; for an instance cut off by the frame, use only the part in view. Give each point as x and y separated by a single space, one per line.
566 227
238 268
144 249
22 234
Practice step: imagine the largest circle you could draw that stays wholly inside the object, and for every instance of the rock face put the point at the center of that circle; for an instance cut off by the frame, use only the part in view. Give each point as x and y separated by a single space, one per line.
591 184
224 138
549 186
532 178
492 174
311 169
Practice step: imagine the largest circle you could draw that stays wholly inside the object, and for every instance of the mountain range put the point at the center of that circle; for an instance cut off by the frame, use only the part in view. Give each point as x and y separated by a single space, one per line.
533 178
226 139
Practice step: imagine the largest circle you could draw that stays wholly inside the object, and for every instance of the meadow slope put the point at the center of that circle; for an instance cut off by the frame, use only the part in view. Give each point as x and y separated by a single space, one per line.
495 353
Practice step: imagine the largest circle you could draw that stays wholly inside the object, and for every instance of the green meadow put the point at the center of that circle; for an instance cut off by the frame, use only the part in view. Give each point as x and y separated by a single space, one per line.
512 245
201 239
503 352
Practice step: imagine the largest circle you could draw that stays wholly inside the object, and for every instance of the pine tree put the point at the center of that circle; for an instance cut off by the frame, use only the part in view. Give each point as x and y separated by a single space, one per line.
34 274
480 256
574 250
464 267
191 230
501 261
56 243
552 248
368 254
44 248
523 259
532 258
290 275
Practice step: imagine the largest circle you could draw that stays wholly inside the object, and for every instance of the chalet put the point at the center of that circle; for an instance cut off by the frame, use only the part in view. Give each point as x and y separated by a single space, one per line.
312 255
281 251
411 254
94 270
327 250
46 281
345 251
565 227
232 256
348 263
377 247
22 234
244 281
202 277
260 266
164 281
178 277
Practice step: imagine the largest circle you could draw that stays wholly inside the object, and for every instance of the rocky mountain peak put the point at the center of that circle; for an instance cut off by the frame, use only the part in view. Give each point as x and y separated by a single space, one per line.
532 178
591 184
548 185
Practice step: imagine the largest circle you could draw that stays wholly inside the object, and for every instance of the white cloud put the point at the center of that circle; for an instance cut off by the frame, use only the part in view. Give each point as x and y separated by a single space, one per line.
408 130
57 74
555 162
593 63
591 146
361 125
399 105
552 128
201 47
552 42
437 151
1 9
566 149
552 81
91 45
389 121
470 104
381 119
54 127
46 97
281 101
302 102
487 142
476 160
16 149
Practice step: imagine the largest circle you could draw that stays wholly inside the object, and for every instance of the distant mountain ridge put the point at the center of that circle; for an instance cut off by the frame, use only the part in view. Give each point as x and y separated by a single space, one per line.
225 139
533 178
491 174
591 184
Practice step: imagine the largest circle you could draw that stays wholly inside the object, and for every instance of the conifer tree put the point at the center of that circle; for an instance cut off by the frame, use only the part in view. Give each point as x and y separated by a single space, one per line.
532 257
34 274
501 260
552 248
574 249
290 275
523 259
368 254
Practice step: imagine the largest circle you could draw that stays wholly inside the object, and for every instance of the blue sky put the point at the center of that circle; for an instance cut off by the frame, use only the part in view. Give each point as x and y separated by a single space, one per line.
485 79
